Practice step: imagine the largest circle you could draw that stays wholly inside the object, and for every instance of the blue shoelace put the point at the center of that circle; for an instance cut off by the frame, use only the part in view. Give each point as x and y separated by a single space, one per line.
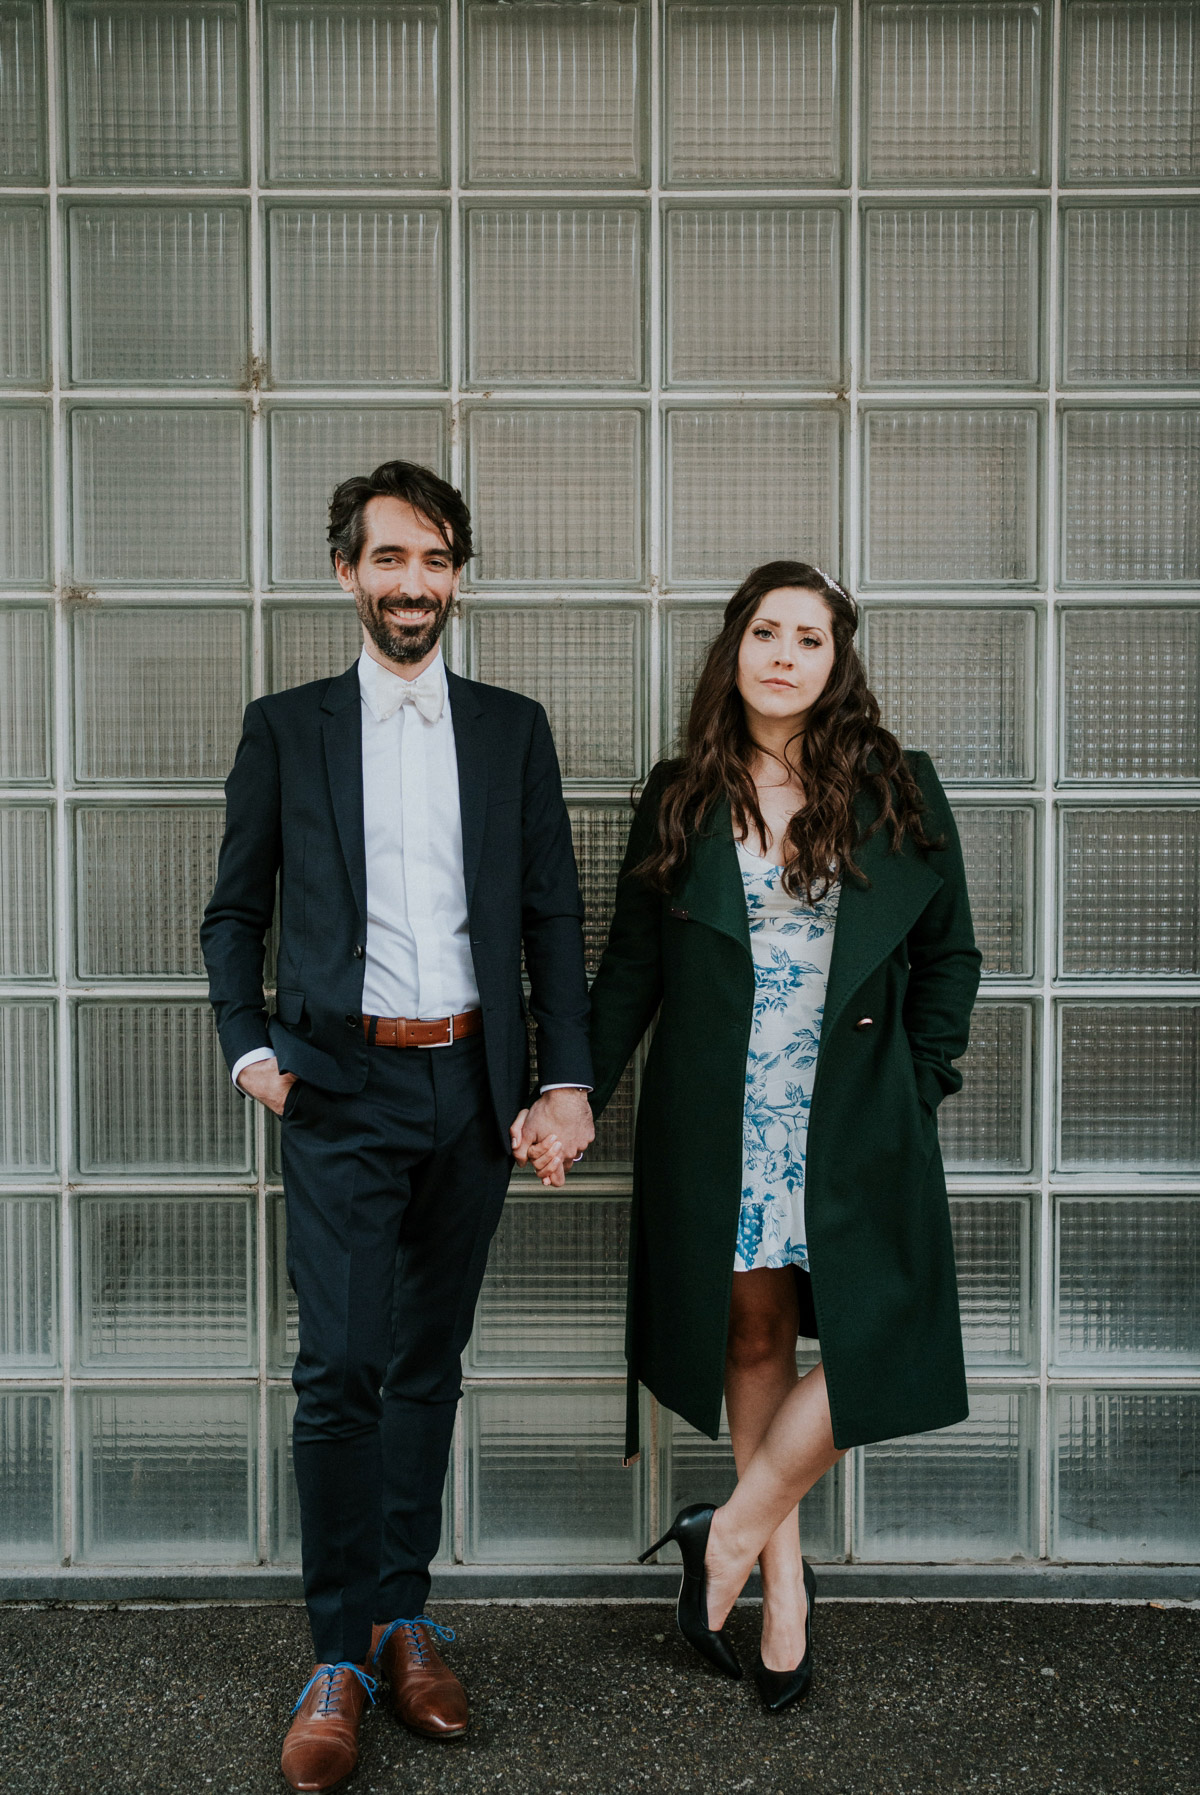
422 1620
333 1674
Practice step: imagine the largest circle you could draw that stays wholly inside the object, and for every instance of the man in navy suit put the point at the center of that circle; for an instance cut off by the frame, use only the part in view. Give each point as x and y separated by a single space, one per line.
415 824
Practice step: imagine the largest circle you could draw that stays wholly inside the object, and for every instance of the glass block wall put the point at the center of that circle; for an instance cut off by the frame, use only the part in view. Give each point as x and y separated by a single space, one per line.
669 288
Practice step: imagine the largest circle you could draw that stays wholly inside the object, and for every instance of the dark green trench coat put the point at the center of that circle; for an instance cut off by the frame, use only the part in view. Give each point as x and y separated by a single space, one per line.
902 981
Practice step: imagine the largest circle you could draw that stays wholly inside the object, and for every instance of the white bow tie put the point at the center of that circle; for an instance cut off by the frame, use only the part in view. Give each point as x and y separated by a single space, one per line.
426 695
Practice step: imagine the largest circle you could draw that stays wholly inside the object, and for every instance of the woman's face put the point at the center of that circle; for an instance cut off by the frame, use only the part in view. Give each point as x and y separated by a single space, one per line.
786 655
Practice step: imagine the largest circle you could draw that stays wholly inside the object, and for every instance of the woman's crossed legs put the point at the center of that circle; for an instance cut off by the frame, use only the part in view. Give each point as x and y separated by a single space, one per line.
782 1445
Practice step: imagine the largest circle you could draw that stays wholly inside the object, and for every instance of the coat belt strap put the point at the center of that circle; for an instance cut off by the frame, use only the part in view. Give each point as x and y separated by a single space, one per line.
402 1031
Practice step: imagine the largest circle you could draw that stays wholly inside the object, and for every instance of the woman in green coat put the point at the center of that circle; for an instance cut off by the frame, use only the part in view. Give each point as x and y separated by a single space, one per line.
792 908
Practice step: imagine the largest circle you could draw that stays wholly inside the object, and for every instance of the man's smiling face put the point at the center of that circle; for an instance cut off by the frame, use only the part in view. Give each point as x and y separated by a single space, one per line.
404 584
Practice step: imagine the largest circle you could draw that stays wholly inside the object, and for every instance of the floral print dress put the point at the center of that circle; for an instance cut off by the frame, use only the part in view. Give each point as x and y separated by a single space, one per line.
792 942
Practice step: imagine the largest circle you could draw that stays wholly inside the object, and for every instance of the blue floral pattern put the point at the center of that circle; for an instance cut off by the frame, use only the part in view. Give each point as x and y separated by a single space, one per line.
791 941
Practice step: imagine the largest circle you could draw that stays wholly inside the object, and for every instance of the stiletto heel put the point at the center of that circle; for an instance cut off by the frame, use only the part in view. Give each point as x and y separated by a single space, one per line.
690 1530
780 1688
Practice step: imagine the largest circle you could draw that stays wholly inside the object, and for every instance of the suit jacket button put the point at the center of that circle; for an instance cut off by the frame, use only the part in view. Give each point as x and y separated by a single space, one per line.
865 1022
354 1022
359 950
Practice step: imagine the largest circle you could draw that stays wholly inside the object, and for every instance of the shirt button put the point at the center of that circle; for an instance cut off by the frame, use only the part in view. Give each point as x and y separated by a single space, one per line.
359 950
354 1022
865 1022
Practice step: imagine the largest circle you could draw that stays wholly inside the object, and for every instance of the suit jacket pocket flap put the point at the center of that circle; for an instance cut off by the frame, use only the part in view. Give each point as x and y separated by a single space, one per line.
289 1005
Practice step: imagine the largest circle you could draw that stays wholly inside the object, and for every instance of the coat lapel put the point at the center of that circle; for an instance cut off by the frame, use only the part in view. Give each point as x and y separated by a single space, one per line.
341 728
470 748
712 891
873 918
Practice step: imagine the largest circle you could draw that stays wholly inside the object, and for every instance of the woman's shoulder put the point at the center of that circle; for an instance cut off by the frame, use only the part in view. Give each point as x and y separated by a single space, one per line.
659 778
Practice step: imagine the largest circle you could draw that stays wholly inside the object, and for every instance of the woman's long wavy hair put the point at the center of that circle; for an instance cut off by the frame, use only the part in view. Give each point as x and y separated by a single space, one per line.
841 749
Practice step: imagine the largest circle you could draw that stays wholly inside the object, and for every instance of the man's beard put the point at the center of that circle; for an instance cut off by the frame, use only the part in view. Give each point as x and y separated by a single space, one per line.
404 643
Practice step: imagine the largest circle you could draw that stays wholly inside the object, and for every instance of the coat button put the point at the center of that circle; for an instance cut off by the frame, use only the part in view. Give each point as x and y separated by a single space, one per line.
359 950
865 1022
354 1022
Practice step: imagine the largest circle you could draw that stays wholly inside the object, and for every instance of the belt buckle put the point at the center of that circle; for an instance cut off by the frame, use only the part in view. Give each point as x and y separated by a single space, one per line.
449 1041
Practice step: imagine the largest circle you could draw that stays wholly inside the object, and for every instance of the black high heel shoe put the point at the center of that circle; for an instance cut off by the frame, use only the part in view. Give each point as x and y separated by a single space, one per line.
689 1530
780 1688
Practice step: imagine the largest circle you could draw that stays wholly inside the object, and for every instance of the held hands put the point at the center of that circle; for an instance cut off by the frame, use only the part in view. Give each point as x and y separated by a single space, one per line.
553 1133
263 1081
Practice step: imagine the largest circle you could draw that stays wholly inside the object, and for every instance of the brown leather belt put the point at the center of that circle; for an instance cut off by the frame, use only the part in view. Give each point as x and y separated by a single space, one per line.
399 1031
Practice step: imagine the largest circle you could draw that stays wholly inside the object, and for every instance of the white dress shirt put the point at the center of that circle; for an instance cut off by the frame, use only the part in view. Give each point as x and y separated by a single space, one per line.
418 951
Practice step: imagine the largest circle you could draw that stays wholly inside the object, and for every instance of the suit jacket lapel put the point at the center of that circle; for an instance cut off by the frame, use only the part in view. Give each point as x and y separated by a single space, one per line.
341 728
470 749
712 891
873 918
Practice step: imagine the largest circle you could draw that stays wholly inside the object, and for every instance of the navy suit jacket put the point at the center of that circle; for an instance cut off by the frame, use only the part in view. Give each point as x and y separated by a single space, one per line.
294 814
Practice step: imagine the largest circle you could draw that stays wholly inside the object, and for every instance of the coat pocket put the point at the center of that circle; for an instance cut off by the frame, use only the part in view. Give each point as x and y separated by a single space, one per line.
289 1006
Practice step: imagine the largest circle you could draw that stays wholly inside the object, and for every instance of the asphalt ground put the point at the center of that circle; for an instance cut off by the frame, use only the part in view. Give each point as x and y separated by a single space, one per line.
907 1696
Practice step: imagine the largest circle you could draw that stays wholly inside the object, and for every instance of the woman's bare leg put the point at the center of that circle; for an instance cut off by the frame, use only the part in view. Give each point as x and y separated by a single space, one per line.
796 1450
760 1374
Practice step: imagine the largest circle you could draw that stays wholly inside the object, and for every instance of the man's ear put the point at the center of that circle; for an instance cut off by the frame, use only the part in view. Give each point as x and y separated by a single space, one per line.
344 573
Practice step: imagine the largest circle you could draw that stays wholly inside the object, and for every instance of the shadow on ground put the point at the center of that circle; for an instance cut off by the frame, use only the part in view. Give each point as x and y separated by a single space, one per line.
906 1698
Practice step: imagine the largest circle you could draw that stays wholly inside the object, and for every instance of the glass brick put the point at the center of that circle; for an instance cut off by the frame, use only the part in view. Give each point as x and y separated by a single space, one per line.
24 496
998 845
154 1095
1128 1281
702 1470
283 1323
691 631
950 497
988 1125
600 833
749 486
554 93
959 683
954 93
154 93
25 665
1131 295
554 1295
968 1491
545 1482
1130 1087
159 692
312 450
167 1476
611 1153
1130 696
142 878
159 495
357 295
29 1282
1132 91
22 94
754 93
583 663
1130 892
27 1108
556 495
993 1247
353 93
311 642
952 295
284 1497
26 891
1124 1475
24 333
1130 500
555 295
166 1284
30 1448
754 296
158 293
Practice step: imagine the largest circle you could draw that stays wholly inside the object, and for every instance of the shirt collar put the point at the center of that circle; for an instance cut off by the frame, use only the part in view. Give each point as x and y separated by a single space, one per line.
383 691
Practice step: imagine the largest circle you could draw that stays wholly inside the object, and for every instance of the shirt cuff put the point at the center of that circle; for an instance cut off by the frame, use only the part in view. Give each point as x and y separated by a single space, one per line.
249 1059
543 1088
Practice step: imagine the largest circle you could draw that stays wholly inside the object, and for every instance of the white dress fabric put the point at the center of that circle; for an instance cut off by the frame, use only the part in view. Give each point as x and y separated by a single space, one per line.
792 943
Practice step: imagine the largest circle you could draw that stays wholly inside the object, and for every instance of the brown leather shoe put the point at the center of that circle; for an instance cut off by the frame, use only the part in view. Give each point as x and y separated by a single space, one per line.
426 1694
321 1748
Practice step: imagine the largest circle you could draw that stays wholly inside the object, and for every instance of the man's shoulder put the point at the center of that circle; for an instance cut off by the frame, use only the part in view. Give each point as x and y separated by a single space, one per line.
297 701
497 701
